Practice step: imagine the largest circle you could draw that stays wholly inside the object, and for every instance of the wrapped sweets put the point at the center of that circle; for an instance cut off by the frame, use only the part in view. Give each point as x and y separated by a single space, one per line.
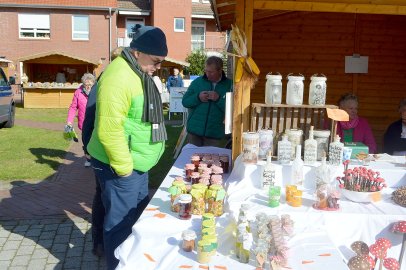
287 225
215 200
198 200
176 189
216 179
208 216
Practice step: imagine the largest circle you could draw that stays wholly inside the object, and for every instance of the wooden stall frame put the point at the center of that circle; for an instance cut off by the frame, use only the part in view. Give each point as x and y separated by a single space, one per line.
279 117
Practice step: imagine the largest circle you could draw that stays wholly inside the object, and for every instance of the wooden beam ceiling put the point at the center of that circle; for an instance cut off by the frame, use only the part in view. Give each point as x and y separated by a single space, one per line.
225 9
394 7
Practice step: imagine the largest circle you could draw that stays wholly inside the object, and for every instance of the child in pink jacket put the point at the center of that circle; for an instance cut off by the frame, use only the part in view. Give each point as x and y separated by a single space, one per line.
79 102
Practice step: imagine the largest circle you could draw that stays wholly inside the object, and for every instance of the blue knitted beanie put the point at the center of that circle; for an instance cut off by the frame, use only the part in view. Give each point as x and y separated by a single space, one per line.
149 40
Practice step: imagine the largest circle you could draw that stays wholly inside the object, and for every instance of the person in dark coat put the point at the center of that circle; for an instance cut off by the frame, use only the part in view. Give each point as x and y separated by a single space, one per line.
175 80
394 142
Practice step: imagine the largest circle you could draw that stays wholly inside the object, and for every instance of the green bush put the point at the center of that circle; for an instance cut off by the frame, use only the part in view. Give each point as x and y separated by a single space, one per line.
196 60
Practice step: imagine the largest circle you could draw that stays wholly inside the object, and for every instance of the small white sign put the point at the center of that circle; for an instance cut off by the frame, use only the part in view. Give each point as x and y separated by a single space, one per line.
175 99
356 64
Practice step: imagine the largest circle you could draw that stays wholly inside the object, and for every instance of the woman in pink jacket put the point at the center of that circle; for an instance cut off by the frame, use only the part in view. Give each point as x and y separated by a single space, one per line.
357 129
78 104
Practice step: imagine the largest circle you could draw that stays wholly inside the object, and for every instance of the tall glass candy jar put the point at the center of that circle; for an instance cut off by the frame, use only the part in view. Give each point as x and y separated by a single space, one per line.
295 136
310 151
294 95
335 153
284 150
317 90
250 147
265 142
322 138
273 89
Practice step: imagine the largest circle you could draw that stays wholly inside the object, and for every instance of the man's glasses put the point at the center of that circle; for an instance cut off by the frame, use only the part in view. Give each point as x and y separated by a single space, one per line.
157 63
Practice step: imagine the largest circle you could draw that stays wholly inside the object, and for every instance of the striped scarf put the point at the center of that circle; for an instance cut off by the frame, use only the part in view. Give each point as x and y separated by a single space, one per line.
152 99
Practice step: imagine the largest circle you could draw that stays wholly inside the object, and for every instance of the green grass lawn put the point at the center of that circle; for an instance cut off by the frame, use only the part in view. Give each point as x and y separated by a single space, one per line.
42 115
33 154
30 153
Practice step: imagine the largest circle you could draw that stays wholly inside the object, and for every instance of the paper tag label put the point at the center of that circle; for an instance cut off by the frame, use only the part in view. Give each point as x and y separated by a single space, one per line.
155 126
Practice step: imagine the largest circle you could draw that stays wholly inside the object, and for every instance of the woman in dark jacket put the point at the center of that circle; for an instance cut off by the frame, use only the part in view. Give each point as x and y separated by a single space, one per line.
395 136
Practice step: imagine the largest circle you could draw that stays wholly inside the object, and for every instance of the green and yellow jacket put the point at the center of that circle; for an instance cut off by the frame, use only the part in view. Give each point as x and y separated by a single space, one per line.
120 138
206 118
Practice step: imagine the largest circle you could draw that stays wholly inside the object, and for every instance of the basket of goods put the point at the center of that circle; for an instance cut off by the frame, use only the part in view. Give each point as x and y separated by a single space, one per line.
399 196
361 184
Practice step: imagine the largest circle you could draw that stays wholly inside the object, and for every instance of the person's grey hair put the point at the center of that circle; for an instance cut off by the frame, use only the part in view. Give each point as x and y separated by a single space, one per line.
347 97
216 61
88 76
402 103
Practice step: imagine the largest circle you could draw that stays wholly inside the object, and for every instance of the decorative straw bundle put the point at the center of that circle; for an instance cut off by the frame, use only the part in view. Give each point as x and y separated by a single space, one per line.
246 70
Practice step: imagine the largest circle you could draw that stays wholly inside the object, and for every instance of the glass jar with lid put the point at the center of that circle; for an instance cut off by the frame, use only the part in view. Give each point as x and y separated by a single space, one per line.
273 89
294 95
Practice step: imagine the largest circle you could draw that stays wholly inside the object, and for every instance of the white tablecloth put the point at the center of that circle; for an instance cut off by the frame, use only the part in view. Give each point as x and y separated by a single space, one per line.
154 242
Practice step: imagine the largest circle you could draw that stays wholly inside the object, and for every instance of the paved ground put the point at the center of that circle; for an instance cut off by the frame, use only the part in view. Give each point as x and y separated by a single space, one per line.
46 225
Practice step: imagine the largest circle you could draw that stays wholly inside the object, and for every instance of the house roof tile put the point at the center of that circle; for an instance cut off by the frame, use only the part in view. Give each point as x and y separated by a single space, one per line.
62 3
136 5
201 9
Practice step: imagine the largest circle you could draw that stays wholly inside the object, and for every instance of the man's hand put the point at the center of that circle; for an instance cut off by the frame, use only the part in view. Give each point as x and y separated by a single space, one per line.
204 96
213 95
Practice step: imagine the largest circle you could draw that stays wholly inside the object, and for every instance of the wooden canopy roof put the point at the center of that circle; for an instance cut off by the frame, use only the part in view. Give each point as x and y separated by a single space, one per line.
55 57
225 10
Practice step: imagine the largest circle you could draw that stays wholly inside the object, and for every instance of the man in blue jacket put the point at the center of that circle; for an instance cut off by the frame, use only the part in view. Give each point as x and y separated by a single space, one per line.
205 99
175 80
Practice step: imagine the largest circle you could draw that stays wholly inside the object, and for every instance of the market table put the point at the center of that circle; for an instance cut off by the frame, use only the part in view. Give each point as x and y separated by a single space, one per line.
154 242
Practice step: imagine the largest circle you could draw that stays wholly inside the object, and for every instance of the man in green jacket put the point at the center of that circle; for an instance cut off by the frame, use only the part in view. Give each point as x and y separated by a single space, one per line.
205 99
129 134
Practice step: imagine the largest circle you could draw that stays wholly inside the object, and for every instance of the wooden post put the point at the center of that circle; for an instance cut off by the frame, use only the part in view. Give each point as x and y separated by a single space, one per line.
244 20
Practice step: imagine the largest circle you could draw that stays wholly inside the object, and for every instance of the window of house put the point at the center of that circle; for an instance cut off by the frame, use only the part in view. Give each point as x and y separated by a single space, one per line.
179 24
206 2
80 27
130 23
198 35
34 26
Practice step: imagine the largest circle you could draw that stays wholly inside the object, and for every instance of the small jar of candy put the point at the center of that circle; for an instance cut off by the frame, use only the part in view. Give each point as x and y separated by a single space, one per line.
189 168
195 160
194 177
198 200
215 200
204 251
188 240
176 189
185 206
225 163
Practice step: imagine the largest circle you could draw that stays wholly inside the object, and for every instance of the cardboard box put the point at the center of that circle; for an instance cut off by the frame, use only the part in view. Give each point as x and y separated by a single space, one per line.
357 148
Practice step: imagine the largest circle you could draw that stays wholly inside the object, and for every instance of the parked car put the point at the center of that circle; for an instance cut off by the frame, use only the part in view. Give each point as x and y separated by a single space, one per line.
7 104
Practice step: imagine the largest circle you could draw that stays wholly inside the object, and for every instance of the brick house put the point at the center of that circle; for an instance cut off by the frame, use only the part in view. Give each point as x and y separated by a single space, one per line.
42 37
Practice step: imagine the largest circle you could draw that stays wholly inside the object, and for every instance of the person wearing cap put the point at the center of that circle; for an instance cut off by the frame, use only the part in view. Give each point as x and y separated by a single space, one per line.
129 134
205 99
394 140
